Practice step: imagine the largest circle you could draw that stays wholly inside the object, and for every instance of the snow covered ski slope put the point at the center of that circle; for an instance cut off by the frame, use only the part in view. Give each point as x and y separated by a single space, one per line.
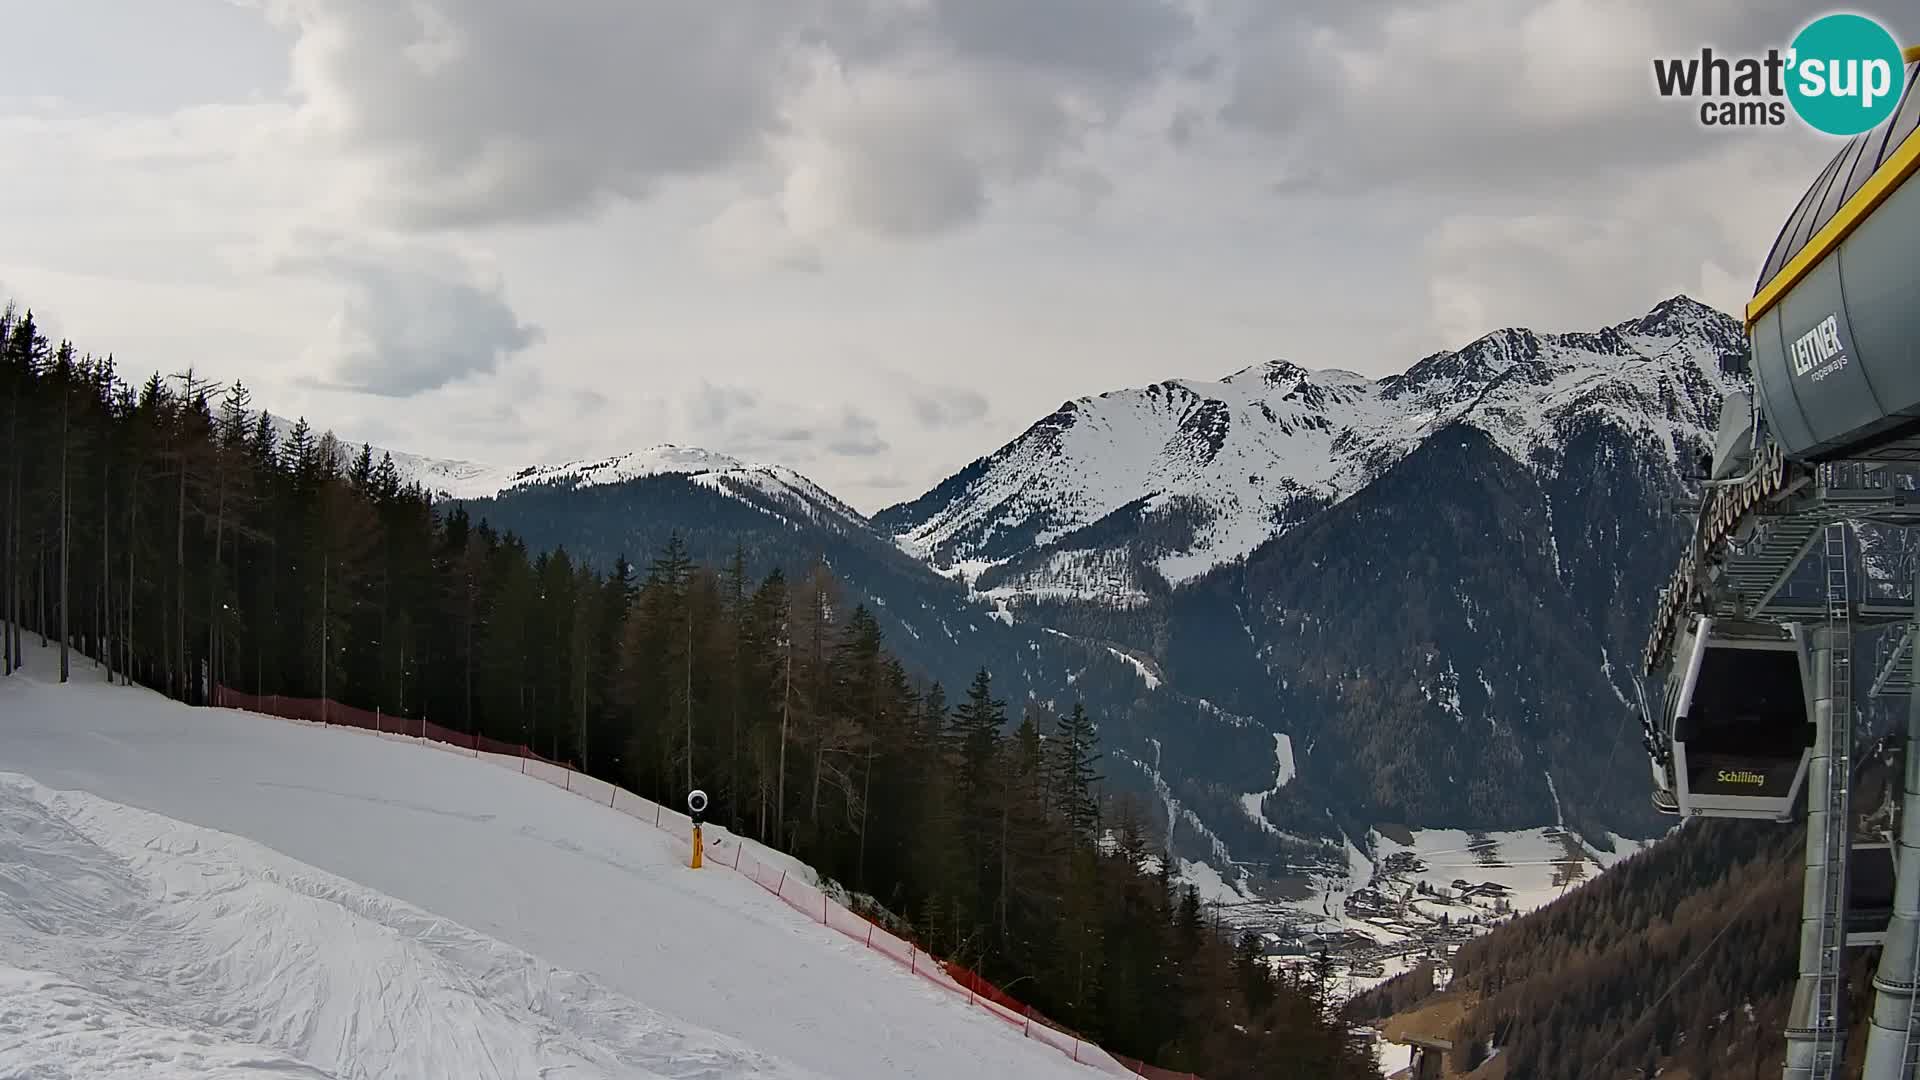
199 892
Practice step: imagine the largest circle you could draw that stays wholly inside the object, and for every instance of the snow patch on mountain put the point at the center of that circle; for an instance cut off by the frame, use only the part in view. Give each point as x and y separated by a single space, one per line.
1146 673
1178 814
1207 881
1255 803
1064 575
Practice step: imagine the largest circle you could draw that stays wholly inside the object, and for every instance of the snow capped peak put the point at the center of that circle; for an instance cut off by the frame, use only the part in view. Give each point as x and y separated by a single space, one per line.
1192 473
453 479
1680 315
1270 373
664 459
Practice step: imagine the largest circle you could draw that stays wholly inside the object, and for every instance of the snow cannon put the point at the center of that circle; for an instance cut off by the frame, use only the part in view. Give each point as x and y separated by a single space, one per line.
1739 720
696 806
1835 317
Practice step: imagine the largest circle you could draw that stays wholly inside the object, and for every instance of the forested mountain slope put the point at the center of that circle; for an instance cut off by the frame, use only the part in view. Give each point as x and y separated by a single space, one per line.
1682 957
171 531
1428 584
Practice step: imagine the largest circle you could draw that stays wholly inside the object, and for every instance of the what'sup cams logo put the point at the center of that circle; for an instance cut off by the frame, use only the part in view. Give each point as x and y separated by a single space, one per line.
1842 75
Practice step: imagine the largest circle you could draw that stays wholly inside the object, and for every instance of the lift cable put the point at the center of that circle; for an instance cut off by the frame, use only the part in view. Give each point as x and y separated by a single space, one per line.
1752 894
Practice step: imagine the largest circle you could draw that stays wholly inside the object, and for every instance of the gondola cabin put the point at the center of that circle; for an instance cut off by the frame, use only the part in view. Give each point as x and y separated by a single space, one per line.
1739 718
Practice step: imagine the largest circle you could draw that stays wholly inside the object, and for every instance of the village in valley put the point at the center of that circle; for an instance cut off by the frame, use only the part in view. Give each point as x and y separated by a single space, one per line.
1418 898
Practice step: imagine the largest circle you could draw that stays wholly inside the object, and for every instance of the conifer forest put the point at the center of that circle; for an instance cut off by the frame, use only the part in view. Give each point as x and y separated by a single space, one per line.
170 532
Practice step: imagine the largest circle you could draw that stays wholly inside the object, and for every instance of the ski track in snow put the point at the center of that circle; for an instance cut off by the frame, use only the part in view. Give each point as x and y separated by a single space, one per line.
187 936
370 907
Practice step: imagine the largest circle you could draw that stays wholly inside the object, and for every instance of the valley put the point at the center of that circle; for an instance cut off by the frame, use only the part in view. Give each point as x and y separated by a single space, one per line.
1299 602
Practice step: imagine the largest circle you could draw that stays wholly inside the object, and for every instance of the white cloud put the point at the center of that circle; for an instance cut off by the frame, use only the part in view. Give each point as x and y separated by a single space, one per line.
411 318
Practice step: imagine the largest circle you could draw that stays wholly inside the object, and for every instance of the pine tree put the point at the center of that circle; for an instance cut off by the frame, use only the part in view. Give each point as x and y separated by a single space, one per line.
1074 777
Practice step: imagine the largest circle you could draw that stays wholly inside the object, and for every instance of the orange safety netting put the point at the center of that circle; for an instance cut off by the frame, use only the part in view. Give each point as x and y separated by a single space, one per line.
724 850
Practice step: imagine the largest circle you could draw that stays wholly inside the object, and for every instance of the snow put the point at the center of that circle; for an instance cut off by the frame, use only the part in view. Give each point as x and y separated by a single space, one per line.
76 1032
1146 674
1206 880
664 460
446 478
201 931
241 896
1068 575
1624 848
1243 451
1393 1057
1359 867
1283 757
1536 864
1255 803
1607 669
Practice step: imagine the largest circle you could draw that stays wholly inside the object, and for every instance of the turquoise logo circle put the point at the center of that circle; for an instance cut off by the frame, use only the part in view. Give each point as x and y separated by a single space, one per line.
1845 74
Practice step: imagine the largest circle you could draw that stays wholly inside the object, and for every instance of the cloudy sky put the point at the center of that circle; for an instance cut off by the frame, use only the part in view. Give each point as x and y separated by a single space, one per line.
871 239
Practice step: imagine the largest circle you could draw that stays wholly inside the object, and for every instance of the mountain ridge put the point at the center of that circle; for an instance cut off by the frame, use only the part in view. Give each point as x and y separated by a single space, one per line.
1421 585
1463 380
1212 470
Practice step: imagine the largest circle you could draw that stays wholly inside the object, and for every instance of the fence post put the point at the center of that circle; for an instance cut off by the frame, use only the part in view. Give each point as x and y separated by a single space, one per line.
737 845
823 910
782 887
656 815
377 728
1076 1050
913 958
869 935
569 784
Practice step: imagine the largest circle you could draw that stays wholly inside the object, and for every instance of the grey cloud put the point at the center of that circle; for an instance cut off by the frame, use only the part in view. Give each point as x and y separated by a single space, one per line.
496 422
1483 101
899 175
949 407
1182 128
410 322
710 406
1546 181
354 430
1113 39
742 421
488 111
886 481
855 435
500 110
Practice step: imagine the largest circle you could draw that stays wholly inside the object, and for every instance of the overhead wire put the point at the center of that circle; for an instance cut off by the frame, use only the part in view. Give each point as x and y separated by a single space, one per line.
1752 894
